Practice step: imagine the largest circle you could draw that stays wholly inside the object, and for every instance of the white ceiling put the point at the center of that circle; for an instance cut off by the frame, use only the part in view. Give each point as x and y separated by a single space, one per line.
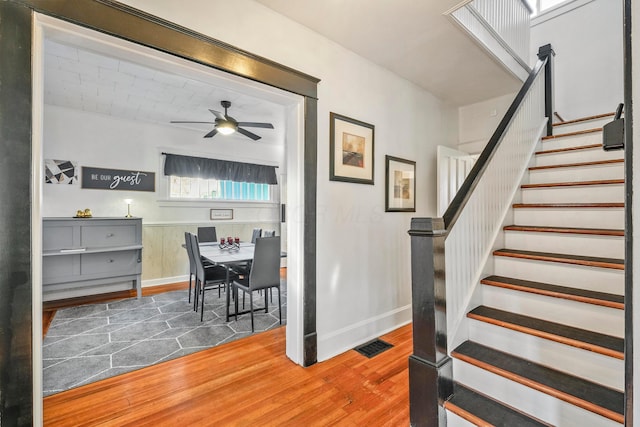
81 78
412 38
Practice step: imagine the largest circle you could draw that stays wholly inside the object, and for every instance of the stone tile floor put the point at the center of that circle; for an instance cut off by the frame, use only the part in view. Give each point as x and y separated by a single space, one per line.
96 341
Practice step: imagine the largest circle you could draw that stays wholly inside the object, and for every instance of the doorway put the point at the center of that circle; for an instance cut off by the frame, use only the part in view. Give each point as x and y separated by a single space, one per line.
300 178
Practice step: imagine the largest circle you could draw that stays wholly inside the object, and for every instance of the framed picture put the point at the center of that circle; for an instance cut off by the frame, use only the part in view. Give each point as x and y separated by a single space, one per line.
217 214
400 185
351 150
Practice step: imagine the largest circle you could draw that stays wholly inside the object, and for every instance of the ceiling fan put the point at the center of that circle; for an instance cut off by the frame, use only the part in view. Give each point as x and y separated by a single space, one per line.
226 125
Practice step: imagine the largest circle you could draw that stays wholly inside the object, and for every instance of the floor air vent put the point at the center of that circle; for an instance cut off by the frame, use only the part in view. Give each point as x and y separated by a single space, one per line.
373 348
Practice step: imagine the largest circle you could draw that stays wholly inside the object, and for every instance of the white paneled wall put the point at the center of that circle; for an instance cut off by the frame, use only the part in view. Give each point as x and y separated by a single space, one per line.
510 19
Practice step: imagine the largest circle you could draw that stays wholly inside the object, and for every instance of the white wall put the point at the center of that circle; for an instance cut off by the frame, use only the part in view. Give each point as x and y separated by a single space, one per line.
478 121
589 58
103 141
362 252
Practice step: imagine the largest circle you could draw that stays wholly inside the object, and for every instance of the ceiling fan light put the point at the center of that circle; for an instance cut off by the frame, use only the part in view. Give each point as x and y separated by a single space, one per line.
226 128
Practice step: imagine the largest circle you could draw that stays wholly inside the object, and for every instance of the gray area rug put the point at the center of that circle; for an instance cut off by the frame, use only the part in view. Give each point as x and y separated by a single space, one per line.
96 341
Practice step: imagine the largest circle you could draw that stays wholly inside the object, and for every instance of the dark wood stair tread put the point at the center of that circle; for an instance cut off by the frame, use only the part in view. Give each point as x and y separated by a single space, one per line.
576 148
566 230
578 132
581 338
569 205
585 394
574 184
557 291
479 409
584 119
577 165
613 263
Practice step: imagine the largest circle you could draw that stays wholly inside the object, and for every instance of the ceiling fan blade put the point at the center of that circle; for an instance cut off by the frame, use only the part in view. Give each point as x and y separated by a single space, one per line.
212 133
182 121
249 134
256 125
218 114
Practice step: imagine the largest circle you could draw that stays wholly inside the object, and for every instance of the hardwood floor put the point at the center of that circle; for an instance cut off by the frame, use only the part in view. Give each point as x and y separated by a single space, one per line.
248 382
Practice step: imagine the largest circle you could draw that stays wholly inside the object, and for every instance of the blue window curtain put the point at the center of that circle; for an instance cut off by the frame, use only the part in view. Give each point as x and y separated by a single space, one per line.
200 167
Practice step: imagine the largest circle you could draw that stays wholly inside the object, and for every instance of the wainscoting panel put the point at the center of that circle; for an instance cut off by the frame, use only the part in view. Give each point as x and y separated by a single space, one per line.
163 255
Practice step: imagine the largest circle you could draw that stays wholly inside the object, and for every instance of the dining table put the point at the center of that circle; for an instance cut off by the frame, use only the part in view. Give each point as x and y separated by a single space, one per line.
227 256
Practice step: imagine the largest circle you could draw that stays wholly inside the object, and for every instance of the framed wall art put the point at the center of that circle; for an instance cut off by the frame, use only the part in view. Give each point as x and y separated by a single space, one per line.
400 185
217 214
351 150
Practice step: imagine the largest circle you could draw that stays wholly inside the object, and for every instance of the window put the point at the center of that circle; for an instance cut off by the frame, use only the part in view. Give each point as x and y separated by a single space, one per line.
540 6
198 188
205 178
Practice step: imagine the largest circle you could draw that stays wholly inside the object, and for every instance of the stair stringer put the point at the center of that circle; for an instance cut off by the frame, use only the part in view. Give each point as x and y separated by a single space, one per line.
457 327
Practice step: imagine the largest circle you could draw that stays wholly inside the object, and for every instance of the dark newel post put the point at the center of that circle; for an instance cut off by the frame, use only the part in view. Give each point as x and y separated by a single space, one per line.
430 369
546 51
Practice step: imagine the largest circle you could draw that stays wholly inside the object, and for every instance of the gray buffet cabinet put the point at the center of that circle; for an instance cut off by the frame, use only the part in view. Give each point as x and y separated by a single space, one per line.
88 256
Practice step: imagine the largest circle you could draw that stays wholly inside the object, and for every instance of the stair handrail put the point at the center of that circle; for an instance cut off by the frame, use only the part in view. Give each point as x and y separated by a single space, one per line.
436 311
461 198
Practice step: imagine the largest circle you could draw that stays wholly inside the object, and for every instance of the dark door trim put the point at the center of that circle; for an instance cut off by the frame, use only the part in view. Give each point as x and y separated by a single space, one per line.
109 17
628 214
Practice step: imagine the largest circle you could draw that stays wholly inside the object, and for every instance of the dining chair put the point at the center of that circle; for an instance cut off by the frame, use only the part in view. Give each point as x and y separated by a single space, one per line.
257 232
264 274
207 234
244 267
214 277
192 262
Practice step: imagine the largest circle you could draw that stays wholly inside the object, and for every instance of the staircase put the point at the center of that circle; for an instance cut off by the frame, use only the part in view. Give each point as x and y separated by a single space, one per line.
546 344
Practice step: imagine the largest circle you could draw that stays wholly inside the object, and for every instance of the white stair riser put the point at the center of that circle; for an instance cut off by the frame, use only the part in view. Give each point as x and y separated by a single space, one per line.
584 125
571 141
454 420
575 244
566 217
592 366
578 194
540 405
581 173
605 320
575 276
576 156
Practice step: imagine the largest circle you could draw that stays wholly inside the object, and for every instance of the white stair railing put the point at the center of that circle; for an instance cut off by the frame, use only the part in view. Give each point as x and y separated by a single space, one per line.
448 254
470 240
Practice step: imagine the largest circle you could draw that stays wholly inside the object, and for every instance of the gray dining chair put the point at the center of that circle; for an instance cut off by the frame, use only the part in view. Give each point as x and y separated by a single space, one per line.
207 234
257 232
214 277
264 274
243 268
192 262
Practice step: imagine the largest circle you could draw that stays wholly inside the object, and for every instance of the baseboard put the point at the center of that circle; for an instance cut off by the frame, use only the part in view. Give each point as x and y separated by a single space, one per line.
337 342
164 281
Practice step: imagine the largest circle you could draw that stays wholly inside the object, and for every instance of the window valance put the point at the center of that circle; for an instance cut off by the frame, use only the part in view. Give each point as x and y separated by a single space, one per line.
200 167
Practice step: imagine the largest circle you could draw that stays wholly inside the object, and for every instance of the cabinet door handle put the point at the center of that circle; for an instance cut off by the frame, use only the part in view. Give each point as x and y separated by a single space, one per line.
111 260
110 235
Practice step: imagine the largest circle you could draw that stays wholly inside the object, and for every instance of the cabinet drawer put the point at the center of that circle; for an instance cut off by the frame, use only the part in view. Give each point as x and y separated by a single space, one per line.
111 263
60 268
57 237
108 235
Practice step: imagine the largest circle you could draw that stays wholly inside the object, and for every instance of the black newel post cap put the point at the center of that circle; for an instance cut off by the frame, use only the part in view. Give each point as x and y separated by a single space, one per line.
544 51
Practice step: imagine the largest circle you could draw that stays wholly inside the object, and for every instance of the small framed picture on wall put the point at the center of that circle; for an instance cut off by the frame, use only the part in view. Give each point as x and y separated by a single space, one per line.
351 150
400 185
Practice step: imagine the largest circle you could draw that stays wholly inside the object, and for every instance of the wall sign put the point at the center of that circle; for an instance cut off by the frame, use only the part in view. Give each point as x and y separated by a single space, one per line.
118 179
221 214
